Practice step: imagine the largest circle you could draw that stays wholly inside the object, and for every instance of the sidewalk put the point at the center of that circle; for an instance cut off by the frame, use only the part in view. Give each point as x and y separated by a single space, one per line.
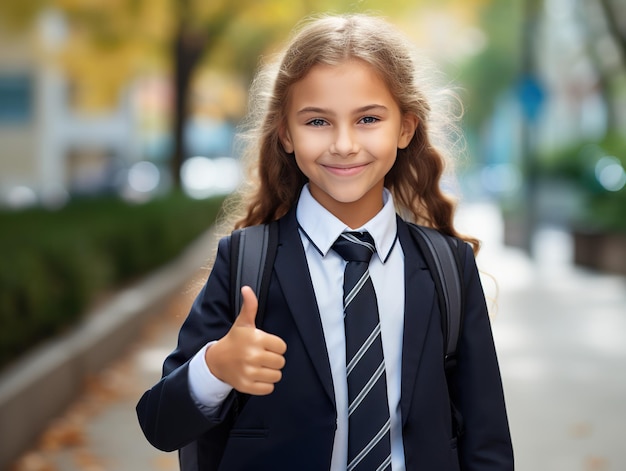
560 334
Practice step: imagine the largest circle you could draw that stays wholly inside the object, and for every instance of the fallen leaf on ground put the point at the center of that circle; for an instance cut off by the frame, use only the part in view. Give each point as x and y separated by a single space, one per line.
33 462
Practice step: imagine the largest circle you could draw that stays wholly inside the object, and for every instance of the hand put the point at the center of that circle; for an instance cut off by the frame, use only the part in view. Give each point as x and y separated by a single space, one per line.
247 358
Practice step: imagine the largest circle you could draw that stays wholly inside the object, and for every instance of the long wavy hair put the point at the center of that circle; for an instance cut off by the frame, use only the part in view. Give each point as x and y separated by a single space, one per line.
274 180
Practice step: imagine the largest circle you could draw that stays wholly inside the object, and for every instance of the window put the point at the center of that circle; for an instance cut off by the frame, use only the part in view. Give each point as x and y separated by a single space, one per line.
16 99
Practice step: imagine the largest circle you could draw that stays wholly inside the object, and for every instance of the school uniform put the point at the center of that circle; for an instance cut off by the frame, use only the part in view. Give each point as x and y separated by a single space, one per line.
302 424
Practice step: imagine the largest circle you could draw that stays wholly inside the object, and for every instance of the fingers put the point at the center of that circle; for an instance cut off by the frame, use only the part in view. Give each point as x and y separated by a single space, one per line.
273 343
272 360
265 375
259 380
258 389
256 380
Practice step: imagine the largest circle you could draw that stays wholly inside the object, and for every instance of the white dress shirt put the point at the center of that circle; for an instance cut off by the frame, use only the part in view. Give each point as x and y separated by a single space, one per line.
319 230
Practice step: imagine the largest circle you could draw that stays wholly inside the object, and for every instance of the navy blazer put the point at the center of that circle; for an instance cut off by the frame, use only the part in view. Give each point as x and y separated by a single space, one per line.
293 428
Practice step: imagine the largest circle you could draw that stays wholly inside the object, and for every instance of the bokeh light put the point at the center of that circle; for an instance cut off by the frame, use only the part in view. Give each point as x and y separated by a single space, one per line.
610 173
144 177
202 177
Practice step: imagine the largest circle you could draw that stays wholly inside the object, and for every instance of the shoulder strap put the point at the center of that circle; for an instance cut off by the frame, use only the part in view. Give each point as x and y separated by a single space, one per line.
253 250
442 255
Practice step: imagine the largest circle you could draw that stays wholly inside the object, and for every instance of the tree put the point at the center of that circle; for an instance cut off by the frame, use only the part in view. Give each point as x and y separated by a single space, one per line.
613 11
602 21
496 68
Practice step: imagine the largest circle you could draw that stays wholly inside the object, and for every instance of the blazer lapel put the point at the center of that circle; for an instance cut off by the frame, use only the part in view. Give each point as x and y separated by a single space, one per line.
293 275
419 297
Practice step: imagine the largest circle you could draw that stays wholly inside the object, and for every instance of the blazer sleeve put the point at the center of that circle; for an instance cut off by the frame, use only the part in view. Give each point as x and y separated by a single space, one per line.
485 443
167 413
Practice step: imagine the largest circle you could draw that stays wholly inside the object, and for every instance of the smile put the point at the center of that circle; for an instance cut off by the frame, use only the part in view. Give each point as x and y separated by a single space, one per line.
345 171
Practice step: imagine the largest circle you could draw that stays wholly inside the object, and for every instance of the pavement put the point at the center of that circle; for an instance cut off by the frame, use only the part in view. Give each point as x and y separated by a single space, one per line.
560 332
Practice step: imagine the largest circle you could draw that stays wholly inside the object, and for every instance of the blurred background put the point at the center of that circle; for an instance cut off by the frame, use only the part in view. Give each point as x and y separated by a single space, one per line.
138 99
117 121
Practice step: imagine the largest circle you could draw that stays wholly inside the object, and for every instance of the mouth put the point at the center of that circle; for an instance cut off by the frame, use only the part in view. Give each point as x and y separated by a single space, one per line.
345 170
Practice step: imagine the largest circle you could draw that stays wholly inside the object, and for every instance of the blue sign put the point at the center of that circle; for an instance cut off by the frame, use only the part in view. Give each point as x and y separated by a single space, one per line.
531 95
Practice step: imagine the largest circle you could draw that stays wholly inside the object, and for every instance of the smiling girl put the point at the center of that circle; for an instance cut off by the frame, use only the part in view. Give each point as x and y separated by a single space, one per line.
342 145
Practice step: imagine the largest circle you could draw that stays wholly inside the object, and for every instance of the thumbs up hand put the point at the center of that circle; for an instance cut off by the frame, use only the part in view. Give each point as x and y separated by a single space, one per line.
247 358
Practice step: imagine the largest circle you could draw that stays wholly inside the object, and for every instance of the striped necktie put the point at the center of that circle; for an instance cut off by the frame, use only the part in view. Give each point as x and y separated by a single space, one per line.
369 444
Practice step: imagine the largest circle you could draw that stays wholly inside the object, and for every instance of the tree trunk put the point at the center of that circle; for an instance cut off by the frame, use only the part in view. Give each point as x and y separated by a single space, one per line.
190 44
611 15
188 49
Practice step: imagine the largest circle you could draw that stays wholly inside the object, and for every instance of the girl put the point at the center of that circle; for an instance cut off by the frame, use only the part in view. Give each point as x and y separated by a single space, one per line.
344 142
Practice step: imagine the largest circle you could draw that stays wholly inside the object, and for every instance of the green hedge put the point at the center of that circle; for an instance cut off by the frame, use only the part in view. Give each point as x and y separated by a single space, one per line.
54 264
604 209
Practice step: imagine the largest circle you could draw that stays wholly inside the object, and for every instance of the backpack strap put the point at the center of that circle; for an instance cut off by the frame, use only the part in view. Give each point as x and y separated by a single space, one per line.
253 250
442 255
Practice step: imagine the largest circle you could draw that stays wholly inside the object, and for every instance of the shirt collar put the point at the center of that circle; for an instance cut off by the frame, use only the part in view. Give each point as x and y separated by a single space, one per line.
322 228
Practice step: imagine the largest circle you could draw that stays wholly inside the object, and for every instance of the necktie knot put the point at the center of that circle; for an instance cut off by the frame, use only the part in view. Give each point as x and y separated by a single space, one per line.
355 246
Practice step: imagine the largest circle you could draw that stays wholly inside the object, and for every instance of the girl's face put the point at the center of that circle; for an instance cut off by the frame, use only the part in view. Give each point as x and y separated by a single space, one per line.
345 128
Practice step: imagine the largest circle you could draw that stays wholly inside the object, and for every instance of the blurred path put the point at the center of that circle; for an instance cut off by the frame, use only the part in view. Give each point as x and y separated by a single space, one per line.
560 334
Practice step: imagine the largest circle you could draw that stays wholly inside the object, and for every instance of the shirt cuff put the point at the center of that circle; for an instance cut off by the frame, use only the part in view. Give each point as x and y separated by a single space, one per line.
207 391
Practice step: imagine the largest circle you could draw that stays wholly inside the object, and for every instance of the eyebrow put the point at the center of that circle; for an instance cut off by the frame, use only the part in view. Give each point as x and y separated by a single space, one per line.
363 109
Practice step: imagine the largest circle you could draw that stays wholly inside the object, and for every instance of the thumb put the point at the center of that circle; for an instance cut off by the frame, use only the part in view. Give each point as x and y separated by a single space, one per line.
247 315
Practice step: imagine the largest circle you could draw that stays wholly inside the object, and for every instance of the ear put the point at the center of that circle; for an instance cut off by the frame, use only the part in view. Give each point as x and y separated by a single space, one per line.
285 139
407 129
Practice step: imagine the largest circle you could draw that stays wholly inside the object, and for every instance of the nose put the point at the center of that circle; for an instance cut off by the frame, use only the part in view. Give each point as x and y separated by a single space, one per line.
345 143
